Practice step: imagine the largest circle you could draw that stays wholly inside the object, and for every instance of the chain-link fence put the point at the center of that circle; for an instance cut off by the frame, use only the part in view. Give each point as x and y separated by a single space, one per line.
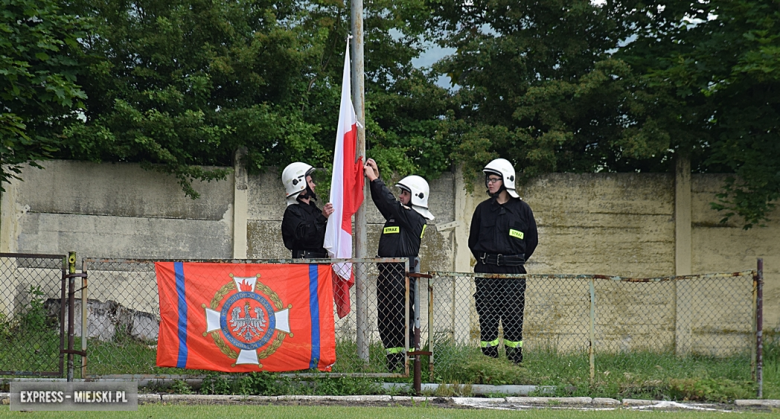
124 315
711 315
31 313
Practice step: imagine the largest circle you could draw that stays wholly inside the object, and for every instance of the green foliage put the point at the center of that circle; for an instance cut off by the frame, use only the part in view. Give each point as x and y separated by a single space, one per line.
181 85
575 86
216 383
715 65
708 389
269 384
38 70
30 341
264 384
341 386
458 364
538 86
35 318
645 375
180 387
6 328
554 85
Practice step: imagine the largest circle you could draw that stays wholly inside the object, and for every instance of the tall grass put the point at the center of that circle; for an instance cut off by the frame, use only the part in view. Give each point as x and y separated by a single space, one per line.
29 341
650 375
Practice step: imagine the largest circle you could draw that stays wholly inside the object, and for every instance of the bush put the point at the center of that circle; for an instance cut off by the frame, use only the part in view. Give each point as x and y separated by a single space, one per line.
709 389
35 319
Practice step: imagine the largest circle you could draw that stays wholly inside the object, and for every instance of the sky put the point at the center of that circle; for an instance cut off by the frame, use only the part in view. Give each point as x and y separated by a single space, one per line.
431 55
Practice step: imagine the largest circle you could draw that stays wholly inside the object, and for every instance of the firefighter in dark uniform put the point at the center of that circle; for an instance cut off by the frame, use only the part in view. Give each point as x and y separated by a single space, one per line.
303 225
401 236
502 238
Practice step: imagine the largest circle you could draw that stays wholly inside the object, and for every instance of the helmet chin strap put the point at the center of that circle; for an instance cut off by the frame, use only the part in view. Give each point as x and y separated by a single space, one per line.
310 193
498 192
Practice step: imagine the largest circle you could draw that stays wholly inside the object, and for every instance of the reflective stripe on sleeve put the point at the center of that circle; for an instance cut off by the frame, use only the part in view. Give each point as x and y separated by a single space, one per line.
394 350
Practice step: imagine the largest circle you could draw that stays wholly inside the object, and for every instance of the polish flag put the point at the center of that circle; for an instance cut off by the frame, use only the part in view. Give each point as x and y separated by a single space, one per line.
346 195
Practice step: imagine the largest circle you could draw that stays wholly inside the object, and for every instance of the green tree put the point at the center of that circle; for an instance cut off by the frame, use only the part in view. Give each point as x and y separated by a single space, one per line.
404 106
718 66
538 85
179 85
568 85
38 69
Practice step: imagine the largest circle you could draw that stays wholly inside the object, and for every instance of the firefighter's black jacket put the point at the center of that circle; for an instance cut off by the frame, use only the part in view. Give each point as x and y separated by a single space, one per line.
303 227
508 229
404 228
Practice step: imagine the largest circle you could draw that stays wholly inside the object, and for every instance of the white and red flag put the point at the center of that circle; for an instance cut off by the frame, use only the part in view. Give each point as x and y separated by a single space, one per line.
346 195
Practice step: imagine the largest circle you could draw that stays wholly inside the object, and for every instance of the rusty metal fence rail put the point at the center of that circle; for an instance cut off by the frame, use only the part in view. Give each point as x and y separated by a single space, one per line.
123 316
32 289
710 315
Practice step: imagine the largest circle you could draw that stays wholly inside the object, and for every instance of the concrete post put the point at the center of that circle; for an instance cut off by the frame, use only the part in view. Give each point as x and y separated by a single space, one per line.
9 220
682 255
240 206
462 289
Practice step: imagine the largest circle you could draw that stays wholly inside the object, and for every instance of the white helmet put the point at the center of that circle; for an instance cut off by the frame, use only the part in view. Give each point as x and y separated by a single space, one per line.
503 168
419 190
294 179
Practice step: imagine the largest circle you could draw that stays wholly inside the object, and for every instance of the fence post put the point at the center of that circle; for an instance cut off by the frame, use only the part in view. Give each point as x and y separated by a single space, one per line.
430 329
407 304
361 312
84 325
71 292
63 313
591 355
760 328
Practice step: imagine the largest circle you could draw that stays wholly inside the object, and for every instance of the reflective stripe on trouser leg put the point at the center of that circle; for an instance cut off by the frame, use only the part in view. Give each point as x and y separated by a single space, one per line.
489 315
391 295
513 344
485 344
512 302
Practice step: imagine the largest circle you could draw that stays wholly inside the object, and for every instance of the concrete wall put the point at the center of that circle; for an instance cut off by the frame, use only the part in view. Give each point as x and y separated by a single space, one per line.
613 224
114 210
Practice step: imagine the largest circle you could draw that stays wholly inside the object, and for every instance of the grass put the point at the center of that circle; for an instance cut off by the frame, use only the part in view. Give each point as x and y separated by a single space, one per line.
30 341
392 410
31 345
31 351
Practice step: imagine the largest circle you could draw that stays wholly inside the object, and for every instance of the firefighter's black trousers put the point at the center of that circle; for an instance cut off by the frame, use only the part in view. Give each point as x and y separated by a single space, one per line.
391 301
501 299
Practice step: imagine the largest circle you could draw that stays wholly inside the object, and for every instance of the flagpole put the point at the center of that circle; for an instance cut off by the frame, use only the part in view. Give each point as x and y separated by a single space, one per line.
360 215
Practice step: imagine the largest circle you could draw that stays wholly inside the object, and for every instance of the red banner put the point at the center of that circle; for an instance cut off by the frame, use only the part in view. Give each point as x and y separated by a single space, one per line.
245 317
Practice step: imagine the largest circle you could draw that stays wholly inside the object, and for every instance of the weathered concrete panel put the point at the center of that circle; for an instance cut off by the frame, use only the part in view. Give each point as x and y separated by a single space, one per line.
267 197
264 240
124 237
620 224
727 247
120 190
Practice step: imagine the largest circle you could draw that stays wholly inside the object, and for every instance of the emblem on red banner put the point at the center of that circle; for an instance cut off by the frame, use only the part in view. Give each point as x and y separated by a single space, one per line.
250 316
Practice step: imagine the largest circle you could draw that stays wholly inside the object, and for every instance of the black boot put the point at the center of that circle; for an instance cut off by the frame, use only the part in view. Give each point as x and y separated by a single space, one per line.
515 355
491 351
